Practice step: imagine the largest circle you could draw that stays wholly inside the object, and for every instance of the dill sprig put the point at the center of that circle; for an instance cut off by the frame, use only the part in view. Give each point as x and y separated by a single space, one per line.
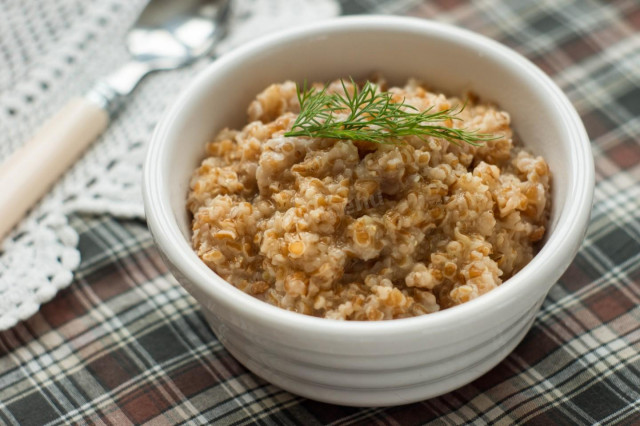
369 115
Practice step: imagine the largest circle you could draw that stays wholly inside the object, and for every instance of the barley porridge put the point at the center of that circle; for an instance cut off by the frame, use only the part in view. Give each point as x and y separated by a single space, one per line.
354 230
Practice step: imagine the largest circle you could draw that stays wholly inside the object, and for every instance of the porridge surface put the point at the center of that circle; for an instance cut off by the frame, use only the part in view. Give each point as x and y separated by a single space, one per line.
361 231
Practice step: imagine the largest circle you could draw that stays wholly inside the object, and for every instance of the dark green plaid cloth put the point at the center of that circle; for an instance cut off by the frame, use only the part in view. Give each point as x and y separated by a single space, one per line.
125 344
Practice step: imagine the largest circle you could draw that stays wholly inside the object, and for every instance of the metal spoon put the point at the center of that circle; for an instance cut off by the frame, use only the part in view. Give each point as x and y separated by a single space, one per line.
168 34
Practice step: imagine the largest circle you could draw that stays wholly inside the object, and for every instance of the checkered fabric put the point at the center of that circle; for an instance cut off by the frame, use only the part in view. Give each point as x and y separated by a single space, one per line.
124 344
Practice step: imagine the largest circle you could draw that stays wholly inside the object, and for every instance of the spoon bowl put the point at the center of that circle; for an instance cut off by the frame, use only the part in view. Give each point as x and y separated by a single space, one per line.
169 34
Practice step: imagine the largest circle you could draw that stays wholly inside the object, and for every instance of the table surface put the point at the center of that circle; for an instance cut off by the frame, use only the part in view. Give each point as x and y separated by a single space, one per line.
124 344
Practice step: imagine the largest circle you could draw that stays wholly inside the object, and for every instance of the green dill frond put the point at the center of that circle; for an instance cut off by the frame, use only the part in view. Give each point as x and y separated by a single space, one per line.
372 116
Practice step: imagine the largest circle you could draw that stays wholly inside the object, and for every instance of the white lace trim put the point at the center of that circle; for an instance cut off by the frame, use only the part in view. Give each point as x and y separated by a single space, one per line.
55 50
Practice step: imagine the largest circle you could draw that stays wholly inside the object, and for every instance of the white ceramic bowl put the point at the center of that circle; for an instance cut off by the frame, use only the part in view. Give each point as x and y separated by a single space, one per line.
377 363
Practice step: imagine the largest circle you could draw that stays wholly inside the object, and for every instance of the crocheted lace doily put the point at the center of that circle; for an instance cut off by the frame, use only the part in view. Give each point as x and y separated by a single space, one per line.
56 49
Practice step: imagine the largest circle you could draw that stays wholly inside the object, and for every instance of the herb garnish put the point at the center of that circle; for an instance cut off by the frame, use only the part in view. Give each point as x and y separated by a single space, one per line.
372 116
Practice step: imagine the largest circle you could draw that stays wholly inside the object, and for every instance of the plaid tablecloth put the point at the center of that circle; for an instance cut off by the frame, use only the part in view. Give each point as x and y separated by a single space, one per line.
125 344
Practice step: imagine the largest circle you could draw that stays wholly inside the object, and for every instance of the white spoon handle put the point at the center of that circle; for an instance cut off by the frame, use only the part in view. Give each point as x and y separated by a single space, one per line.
31 171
